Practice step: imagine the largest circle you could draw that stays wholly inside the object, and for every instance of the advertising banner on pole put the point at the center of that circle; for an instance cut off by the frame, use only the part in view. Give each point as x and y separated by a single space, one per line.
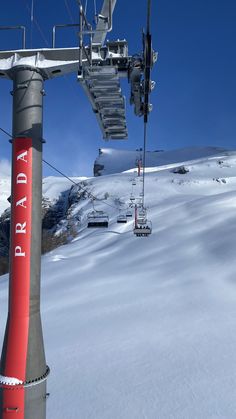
16 340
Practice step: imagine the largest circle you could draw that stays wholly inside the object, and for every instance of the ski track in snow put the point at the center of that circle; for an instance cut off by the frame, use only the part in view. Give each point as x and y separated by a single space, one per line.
145 327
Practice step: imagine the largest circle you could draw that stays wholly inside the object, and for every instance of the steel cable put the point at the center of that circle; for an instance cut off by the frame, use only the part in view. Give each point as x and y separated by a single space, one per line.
90 195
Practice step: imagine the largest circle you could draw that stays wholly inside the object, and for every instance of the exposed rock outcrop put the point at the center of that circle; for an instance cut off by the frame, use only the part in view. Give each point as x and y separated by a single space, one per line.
181 170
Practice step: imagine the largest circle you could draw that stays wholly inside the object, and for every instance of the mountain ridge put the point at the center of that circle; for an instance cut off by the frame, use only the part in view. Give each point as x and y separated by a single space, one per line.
111 160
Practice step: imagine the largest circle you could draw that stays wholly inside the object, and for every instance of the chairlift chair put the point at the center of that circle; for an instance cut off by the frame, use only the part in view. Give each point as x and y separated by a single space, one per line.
121 219
139 202
142 216
143 230
129 213
97 219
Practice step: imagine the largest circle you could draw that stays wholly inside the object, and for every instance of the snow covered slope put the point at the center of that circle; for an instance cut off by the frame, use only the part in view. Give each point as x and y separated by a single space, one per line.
145 327
5 184
114 161
52 188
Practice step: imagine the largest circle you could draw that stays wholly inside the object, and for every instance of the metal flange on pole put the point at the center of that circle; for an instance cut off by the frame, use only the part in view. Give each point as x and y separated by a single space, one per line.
23 366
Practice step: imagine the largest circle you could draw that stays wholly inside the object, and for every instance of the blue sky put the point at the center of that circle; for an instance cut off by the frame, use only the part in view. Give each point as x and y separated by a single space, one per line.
195 96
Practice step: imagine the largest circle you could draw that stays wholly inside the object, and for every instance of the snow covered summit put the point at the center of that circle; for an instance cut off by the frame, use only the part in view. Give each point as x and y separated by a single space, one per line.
114 161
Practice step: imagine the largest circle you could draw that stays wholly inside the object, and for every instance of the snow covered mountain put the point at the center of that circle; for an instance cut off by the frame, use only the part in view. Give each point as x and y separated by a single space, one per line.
109 161
112 161
145 327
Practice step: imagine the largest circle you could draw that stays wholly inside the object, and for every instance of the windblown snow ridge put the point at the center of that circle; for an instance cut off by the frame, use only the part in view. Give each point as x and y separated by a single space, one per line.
112 161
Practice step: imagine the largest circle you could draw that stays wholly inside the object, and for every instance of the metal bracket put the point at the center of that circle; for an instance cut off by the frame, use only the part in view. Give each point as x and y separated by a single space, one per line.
66 25
84 23
22 28
11 409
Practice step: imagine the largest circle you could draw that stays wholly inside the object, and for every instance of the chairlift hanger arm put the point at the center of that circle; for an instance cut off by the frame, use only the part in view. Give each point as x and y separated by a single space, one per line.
104 24
103 18
103 27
